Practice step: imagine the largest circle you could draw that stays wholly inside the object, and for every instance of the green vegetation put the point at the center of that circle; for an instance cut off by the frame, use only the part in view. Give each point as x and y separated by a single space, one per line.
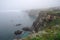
54 22
52 31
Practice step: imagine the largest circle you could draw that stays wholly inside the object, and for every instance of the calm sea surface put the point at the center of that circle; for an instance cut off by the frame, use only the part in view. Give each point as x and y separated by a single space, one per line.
8 21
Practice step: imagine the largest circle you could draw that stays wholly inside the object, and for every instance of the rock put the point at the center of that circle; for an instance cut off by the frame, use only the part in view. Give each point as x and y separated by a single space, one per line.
18 24
26 29
57 26
18 32
39 22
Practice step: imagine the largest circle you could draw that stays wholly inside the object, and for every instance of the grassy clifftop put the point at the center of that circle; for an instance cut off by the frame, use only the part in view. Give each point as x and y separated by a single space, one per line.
50 22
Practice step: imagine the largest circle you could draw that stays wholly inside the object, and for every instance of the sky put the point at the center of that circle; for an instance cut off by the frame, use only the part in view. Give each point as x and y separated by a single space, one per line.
17 5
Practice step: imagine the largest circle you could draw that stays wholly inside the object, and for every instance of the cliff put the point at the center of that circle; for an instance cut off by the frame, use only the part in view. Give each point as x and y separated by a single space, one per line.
44 17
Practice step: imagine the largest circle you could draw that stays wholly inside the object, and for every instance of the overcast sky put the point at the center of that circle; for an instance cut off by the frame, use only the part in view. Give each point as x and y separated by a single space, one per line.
16 5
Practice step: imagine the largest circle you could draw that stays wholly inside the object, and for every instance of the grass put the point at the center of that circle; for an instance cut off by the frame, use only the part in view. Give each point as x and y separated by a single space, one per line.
52 31
54 22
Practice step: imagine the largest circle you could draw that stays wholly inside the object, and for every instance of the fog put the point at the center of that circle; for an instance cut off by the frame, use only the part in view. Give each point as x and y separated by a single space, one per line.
11 13
13 9
16 5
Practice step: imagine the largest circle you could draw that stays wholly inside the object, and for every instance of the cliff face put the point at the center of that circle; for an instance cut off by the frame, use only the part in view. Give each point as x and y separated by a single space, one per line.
43 18
39 22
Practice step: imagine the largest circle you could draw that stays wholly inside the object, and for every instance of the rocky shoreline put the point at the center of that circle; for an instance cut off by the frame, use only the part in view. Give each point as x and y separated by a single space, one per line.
42 21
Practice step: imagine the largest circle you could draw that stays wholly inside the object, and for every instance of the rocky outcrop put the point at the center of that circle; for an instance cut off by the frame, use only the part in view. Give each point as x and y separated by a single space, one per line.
39 22
42 16
18 32
42 20
27 29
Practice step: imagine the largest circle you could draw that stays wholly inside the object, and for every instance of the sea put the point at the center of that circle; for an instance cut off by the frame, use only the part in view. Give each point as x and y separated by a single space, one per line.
8 21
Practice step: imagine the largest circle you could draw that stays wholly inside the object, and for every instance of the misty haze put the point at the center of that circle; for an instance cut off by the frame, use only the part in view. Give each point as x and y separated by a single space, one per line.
16 15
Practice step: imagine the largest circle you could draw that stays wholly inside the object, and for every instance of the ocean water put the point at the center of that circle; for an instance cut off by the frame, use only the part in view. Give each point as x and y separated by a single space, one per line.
8 21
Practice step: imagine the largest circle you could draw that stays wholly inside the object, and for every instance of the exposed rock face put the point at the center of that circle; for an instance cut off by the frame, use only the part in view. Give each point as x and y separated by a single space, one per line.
42 17
39 22
18 32
26 29
42 21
